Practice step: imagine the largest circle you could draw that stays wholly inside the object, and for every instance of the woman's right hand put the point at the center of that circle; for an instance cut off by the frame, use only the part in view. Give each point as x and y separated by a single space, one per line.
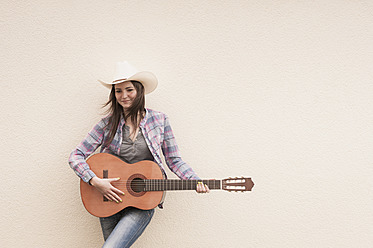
105 187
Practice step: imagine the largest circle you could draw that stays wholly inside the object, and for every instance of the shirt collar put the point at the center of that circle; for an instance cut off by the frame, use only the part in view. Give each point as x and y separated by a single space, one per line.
143 121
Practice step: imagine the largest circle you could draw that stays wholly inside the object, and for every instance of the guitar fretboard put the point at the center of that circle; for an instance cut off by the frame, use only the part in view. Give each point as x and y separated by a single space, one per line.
176 184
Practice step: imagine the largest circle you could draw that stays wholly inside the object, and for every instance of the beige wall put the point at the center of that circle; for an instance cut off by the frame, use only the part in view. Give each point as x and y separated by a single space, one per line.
277 90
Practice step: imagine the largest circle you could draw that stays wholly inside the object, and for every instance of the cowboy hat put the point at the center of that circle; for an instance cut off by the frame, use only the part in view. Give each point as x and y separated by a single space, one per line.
126 72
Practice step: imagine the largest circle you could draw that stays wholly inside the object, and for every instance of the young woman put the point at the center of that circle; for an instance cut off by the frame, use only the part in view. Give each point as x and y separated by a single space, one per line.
133 133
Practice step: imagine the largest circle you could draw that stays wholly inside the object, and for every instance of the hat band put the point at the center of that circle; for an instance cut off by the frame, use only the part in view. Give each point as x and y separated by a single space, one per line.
119 80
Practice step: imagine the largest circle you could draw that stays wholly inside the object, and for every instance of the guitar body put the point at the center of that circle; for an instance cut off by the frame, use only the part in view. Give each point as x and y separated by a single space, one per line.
105 165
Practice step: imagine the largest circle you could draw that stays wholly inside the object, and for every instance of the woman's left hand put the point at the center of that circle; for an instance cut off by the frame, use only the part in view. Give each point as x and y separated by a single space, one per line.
202 188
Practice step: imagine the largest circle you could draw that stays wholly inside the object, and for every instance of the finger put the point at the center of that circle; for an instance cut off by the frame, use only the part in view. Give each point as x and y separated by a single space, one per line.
204 190
199 187
207 188
118 191
113 179
108 197
115 197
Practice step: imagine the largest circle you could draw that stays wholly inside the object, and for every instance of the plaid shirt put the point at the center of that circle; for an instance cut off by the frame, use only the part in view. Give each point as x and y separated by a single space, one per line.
158 136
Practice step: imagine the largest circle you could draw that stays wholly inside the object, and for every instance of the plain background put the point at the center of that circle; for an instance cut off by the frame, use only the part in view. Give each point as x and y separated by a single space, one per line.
280 91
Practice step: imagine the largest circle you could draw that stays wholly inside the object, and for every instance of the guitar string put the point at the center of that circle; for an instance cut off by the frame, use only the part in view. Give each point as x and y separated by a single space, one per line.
171 181
165 184
158 183
170 184
153 182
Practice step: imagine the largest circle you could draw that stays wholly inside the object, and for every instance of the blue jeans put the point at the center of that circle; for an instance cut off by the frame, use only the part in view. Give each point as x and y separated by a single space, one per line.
123 228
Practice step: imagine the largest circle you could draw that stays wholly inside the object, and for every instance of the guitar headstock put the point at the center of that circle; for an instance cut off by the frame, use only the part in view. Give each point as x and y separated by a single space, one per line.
237 184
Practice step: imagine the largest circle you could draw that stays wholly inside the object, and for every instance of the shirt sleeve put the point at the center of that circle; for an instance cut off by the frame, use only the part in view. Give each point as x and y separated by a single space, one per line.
172 155
78 156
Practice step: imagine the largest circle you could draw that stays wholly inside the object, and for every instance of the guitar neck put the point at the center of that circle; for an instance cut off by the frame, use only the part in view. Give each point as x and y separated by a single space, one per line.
176 184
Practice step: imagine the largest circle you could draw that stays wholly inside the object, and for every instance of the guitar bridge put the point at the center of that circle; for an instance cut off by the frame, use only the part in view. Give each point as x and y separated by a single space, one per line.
105 174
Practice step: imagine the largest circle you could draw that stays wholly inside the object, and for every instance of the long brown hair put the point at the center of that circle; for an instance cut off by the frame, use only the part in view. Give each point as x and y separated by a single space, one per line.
135 112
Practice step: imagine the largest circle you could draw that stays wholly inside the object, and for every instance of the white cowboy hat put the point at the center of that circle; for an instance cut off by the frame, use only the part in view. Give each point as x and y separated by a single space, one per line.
126 72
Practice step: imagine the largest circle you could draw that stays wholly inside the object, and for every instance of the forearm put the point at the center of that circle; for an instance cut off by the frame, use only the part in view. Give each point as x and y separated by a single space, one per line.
181 169
78 156
77 162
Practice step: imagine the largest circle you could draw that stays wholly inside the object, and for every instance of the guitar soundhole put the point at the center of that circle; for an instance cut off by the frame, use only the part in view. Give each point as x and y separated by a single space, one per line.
136 185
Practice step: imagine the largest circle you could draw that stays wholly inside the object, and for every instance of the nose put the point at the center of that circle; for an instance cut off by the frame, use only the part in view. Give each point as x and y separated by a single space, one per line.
124 95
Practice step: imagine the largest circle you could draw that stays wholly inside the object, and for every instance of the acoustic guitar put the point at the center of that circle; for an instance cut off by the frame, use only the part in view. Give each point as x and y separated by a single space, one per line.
143 184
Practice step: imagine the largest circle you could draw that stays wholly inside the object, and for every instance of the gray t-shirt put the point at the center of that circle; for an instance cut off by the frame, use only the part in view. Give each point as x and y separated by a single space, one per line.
134 151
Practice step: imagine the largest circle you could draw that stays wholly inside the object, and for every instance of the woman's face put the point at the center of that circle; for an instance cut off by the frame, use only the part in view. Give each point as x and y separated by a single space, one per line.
125 93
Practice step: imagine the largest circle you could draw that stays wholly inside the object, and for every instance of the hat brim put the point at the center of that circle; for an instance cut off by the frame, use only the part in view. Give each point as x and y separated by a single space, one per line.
147 79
